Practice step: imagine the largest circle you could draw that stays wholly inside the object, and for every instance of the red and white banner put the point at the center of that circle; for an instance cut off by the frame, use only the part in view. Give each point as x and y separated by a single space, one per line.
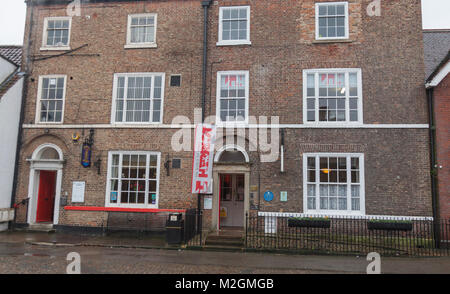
202 163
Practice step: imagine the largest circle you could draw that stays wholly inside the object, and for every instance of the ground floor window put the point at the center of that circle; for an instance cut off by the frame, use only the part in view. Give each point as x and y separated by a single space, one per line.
333 183
133 179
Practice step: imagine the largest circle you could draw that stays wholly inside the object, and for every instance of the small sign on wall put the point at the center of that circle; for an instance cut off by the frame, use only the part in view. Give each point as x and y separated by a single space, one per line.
268 196
283 196
207 202
78 189
223 212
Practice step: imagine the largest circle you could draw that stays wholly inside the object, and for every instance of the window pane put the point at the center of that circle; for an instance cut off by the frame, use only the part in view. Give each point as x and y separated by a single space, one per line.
311 176
311 162
334 183
331 9
340 32
310 85
142 29
355 177
243 13
234 24
234 13
332 94
355 204
355 162
342 204
226 14
134 179
322 10
156 116
323 32
353 80
138 98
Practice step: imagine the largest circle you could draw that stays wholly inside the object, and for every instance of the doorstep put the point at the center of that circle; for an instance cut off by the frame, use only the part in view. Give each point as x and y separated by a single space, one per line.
41 227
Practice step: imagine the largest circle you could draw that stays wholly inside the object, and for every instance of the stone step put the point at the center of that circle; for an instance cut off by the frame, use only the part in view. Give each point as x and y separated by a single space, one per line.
41 228
221 237
222 248
228 242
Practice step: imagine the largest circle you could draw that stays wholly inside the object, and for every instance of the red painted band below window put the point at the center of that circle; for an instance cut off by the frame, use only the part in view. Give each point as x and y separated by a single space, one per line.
120 209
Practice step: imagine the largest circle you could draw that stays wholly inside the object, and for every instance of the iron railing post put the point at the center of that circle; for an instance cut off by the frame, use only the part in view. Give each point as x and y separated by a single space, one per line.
246 228
200 227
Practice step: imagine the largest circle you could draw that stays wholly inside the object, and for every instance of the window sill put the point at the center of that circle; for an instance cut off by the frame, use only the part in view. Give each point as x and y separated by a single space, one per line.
233 43
140 46
333 124
121 209
325 41
48 123
66 48
136 124
334 213
221 124
130 206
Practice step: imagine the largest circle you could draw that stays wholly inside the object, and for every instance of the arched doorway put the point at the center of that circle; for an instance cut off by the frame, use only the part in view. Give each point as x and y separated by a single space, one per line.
231 194
44 189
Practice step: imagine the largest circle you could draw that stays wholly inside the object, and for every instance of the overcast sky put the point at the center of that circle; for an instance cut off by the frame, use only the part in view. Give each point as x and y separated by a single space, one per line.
12 18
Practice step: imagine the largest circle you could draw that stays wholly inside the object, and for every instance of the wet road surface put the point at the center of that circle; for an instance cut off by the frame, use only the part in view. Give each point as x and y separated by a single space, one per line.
26 258
29 252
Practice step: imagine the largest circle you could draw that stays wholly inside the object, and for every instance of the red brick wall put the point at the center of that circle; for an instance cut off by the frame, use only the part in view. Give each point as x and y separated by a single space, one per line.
442 120
388 49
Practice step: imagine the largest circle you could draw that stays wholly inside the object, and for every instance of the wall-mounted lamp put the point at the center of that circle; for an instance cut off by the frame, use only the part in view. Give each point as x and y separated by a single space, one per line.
98 164
167 165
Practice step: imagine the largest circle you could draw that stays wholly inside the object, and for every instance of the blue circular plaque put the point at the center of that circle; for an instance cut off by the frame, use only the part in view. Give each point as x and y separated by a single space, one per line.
268 196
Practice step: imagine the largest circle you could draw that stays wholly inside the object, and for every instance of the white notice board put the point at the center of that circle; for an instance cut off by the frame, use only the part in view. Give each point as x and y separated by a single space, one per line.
78 191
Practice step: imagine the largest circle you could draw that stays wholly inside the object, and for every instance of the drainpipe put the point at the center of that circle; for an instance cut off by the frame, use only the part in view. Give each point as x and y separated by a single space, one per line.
22 111
433 172
205 5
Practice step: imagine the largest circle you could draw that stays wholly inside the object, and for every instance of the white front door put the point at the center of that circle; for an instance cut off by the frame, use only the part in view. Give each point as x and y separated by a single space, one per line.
232 194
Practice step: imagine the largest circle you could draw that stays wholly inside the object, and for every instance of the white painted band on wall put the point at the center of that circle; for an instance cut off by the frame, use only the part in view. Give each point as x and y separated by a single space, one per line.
251 126
366 217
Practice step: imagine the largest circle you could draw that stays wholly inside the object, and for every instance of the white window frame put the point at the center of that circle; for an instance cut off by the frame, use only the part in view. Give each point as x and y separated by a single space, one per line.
130 45
114 98
108 182
345 71
39 95
219 122
327 212
46 47
222 42
346 21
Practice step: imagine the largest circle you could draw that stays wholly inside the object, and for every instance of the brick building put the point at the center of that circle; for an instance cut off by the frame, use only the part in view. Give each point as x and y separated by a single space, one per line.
437 68
11 82
346 86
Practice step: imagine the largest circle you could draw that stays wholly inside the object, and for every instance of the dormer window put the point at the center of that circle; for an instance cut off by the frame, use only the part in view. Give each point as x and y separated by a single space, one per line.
331 20
56 34
141 31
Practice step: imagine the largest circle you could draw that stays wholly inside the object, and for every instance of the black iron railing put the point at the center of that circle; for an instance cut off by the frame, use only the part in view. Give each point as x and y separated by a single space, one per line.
193 227
351 235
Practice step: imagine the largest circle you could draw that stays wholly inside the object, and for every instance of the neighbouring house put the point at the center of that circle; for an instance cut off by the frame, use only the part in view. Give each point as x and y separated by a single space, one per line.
437 68
11 82
106 86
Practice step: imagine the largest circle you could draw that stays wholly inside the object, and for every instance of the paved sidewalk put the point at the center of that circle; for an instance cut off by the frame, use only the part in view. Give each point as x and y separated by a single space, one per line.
25 252
77 239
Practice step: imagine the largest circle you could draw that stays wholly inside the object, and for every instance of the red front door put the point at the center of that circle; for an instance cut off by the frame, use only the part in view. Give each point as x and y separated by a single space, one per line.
46 196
